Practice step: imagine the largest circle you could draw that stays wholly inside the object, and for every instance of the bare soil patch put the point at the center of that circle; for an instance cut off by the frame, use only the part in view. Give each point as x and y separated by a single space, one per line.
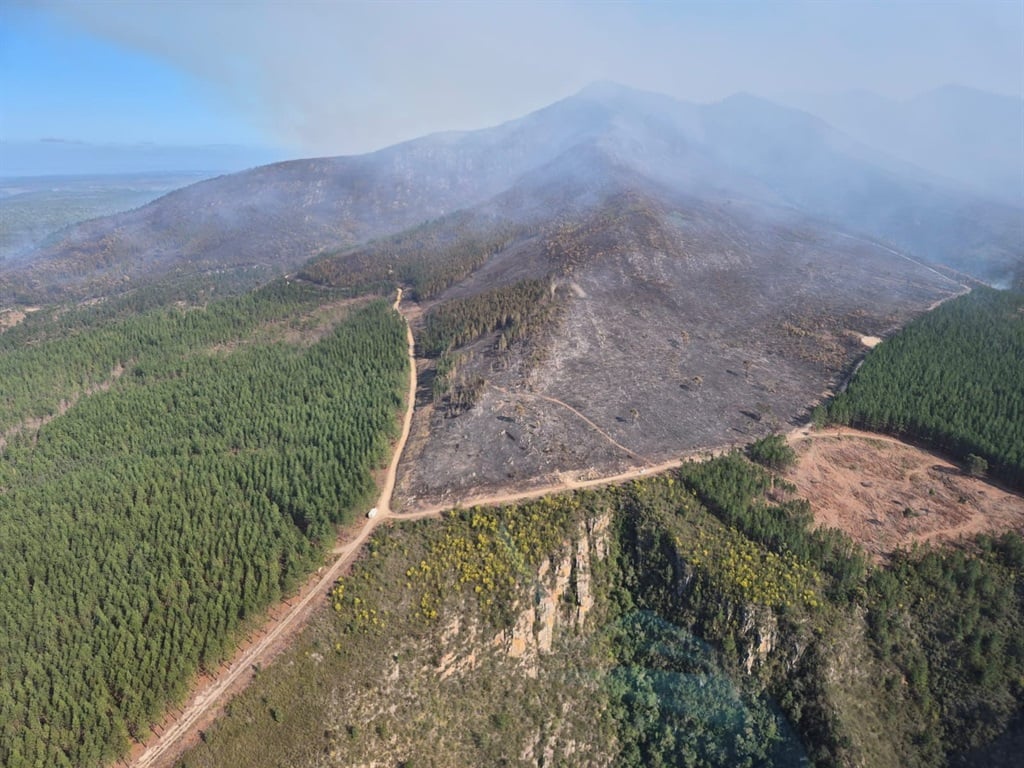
889 495
10 318
32 426
305 331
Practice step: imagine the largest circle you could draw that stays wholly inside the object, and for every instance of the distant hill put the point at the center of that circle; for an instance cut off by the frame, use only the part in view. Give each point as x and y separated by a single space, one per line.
966 135
32 208
598 288
59 157
710 270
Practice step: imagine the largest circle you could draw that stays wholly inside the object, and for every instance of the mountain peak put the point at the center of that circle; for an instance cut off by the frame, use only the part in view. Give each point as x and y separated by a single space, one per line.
614 95
600 90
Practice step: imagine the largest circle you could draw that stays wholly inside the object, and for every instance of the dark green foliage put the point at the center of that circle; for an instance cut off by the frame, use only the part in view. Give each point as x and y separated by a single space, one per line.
946 627
56 354
976 465
427 258
142 527
733 488
953 378
952 624
676 706
657 521
773 452
670 667
516 310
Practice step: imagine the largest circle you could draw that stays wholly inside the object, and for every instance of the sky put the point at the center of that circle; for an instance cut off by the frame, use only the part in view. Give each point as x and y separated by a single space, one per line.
324 78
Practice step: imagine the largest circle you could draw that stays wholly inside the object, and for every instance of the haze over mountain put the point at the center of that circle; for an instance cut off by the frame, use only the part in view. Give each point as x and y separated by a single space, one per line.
964 134
716 263
60 157
722 356
36 207
743 149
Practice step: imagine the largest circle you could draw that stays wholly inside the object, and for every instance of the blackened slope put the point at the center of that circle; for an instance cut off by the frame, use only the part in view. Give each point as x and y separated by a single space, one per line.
279 216
820 171
444 252
276 216
961 133
682 323
742 149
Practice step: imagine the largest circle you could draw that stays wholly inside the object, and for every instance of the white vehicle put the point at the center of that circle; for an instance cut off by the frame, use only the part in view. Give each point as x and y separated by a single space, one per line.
372 513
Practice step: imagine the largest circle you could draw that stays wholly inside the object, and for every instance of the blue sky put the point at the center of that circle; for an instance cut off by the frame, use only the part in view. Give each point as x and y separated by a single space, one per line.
331 78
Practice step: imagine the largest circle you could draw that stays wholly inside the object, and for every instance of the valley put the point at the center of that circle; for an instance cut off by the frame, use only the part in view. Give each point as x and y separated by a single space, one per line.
962 508
456 660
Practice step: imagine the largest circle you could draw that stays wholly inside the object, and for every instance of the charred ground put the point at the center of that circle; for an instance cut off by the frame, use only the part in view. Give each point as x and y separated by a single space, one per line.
681 324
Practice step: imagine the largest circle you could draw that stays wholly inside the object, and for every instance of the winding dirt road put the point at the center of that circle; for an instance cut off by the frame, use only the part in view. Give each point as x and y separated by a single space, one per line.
183 730
164 748
569 408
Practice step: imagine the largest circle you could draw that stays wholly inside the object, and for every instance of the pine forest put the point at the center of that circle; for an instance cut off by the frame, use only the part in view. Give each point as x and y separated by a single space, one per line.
181 471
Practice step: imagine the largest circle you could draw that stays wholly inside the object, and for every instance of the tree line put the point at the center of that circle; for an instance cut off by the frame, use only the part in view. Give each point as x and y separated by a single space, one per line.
953 379
718 636
427 258
58 353
139 530
517 311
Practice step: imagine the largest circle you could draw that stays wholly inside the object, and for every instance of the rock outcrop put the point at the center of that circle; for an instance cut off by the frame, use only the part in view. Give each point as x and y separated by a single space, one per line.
561 596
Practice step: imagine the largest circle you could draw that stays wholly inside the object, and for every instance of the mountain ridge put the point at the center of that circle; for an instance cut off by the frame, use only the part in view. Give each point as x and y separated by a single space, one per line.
743 147
962 134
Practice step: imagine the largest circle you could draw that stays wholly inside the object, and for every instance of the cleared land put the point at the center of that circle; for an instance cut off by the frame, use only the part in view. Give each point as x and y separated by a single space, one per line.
889 495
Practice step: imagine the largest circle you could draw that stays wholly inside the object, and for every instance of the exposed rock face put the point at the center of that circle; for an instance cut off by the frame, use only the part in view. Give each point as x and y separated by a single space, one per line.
760 630
561 597
460 656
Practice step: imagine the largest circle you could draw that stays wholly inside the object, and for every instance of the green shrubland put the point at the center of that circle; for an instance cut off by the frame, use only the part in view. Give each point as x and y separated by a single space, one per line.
724 631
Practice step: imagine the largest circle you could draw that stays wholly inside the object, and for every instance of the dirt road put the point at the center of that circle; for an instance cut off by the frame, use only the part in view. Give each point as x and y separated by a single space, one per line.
165 748
583 418
172 740
182 731
510 497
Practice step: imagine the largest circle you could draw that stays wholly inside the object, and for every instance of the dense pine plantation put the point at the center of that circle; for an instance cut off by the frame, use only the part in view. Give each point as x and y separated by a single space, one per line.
57 354
953 378
139 529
